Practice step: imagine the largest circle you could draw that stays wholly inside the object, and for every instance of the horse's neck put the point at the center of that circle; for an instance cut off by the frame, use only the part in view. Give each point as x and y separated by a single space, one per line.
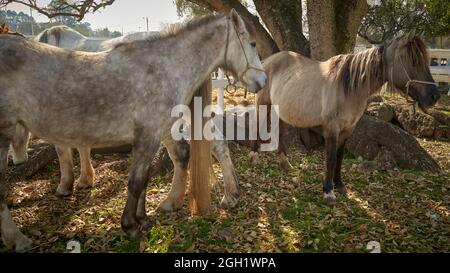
200 55
375 85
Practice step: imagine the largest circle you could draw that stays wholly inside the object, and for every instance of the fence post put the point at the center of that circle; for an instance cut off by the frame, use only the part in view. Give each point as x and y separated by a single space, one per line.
220 93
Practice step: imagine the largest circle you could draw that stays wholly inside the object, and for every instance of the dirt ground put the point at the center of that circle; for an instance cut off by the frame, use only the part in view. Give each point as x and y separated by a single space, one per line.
404 210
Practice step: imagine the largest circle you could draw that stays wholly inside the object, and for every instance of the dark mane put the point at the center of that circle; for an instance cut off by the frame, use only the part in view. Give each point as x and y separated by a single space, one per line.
353 71
417 52
176 29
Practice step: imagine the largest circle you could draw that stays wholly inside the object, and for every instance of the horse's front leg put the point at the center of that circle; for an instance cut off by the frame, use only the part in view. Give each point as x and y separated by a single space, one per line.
86 179
231 183
331 160
19 145
179 152
338 184
144 149
65 187
11 235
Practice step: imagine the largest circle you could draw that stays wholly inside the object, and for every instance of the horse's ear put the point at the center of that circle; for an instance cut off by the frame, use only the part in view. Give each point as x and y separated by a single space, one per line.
237 20
422 35
407 37
412 34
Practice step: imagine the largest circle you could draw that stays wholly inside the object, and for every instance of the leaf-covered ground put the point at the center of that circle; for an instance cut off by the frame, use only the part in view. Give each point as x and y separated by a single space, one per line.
405 211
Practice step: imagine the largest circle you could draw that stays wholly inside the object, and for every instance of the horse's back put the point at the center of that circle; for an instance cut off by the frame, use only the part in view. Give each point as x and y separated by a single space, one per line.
295 85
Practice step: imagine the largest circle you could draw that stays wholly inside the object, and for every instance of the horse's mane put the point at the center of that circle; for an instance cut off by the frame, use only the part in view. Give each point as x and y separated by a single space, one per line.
176 29
352 71
417 52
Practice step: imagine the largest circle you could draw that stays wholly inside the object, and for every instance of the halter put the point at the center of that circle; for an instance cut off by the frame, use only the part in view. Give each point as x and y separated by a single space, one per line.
248 66
409 83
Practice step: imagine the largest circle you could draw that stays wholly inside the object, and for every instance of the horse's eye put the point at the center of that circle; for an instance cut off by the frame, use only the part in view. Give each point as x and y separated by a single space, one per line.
253 44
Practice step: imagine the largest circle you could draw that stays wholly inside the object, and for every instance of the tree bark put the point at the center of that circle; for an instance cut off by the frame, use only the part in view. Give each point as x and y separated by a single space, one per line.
283 18
349 15
322 28
333 26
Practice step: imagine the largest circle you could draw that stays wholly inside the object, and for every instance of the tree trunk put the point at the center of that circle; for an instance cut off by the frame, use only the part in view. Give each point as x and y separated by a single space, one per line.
284 20
349 15
333 26
322 29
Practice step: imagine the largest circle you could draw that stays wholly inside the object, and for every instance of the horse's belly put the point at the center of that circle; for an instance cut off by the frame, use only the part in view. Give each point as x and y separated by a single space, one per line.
85 134
298 119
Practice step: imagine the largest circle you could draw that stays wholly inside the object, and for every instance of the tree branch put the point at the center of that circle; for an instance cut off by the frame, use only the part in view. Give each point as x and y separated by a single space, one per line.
62 8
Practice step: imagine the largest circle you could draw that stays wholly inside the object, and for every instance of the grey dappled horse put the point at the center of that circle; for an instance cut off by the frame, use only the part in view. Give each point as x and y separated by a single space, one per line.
116 97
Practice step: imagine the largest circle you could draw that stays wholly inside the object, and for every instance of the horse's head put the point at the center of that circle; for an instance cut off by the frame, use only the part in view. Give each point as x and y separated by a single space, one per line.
408 70
241 56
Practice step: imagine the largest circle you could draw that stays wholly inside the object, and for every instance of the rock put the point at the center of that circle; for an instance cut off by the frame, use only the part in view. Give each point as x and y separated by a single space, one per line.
440 117
382 111
385 160
373 136
375 98
418 123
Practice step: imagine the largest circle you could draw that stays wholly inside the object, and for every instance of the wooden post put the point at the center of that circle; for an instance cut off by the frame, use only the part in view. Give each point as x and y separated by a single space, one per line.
200 161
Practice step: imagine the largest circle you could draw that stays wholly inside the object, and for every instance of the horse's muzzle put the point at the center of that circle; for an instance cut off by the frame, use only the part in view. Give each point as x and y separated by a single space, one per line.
258 84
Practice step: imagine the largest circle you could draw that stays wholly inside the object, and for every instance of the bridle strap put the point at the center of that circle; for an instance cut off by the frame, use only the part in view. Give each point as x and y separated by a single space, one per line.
227 46
409 82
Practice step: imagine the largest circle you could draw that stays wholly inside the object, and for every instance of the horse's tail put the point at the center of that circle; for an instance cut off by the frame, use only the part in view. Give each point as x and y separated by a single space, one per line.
200 161
262 98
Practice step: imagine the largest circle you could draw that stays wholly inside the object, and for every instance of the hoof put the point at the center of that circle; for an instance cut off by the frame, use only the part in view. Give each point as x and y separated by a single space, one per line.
230 202
286 166
169 206
83 184
22 244
342 190
134 234
254 157
329 198
60 192
19 161
146 223
19 242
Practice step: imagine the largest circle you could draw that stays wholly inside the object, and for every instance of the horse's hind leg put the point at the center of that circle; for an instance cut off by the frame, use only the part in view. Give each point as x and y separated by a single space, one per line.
144 149
338 184
65 187
19 145
282 150
231 188
11 235
86 179
179 153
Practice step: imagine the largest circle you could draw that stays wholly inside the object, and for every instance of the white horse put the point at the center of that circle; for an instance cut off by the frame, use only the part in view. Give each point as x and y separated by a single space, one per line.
121 96
65 37
68 38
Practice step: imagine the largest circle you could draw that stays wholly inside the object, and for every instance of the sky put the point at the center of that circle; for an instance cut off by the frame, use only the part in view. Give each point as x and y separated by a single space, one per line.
126 14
